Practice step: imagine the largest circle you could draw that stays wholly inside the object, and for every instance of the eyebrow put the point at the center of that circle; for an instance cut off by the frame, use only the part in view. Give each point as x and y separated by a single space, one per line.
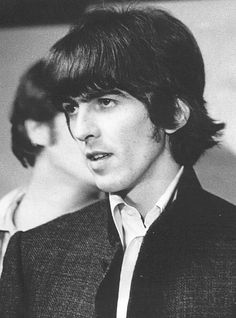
87 96
115 91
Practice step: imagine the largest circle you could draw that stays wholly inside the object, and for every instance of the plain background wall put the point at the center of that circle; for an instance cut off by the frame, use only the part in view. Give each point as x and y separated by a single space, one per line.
213 24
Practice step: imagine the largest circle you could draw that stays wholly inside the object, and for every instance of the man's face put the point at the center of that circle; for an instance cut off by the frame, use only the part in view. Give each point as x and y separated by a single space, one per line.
118 140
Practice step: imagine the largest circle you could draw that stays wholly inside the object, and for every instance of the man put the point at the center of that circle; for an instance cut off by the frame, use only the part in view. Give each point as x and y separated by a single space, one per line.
131 83
60 182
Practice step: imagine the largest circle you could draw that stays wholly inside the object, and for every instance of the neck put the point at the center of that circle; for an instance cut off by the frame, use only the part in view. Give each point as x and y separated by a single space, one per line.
51 194
145 195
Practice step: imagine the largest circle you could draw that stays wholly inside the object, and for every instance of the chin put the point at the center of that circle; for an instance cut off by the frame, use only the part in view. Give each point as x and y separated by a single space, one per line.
108 186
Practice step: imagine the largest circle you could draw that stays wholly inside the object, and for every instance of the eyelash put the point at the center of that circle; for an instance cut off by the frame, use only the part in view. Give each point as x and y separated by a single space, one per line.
71 109
102 102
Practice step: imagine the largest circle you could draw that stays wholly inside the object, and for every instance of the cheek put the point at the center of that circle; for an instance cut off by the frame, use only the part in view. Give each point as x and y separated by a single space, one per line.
125 141
132 144
137 133
132 124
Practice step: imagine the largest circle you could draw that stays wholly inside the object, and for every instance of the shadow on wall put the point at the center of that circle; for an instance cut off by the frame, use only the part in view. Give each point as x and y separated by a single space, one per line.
217 172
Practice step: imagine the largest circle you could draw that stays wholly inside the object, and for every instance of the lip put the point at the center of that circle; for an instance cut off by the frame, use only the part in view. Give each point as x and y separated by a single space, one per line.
96 156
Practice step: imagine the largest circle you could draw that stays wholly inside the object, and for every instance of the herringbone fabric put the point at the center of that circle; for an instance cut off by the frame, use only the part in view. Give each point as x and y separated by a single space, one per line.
54 270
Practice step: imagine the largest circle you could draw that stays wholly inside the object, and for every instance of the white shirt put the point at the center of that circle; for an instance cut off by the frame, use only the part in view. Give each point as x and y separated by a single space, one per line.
8 206
132 229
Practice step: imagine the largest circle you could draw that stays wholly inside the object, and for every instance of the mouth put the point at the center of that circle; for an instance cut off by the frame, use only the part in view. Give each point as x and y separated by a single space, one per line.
97 156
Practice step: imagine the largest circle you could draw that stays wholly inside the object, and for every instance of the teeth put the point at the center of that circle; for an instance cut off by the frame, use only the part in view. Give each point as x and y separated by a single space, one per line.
100 156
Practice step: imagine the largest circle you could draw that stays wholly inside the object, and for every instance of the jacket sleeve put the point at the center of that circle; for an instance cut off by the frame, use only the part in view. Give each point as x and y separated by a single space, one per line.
12 281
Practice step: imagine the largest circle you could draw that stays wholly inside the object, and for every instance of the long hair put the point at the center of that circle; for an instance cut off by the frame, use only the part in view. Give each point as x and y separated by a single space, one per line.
147 53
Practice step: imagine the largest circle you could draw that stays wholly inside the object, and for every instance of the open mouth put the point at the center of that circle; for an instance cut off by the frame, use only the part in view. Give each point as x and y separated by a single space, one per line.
98 156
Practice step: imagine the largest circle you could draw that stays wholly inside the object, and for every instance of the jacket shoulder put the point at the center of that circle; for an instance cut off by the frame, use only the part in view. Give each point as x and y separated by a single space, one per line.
90 221
213 218
218 206
96 211
71 236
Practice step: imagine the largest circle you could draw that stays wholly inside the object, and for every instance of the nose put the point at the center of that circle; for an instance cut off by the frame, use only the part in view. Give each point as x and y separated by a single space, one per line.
85 127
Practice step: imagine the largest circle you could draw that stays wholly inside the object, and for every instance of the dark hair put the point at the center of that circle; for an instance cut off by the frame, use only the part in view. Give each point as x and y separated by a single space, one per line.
32 101
147 53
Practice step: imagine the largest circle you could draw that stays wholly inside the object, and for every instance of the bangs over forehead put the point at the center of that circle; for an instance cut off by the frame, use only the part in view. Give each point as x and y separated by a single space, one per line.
104 51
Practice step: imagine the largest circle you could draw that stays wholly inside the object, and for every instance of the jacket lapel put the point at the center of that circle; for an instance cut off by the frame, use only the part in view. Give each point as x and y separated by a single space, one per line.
159 254
112 241
162 250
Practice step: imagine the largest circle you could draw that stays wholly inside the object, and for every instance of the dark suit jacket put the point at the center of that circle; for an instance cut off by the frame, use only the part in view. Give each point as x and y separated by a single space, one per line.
186 266
54 270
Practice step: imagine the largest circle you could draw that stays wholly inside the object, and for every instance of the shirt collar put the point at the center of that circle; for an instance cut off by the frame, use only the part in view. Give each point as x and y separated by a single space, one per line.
170 190
8 207
164 199
153 214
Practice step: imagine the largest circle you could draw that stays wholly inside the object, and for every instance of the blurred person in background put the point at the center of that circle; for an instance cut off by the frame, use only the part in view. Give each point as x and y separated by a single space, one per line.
60 182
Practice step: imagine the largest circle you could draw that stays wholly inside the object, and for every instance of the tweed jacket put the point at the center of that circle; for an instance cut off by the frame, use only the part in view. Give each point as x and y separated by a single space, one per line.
53 271
70 267
186 267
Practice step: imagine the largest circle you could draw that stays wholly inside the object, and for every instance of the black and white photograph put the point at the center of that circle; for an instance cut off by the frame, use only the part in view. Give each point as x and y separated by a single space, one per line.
118 159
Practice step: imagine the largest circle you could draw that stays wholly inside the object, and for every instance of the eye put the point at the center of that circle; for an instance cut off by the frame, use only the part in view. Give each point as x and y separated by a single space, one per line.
70 108
106 102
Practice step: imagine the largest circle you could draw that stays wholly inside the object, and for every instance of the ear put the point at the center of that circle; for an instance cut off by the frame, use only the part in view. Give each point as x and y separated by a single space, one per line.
38 133
181 116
